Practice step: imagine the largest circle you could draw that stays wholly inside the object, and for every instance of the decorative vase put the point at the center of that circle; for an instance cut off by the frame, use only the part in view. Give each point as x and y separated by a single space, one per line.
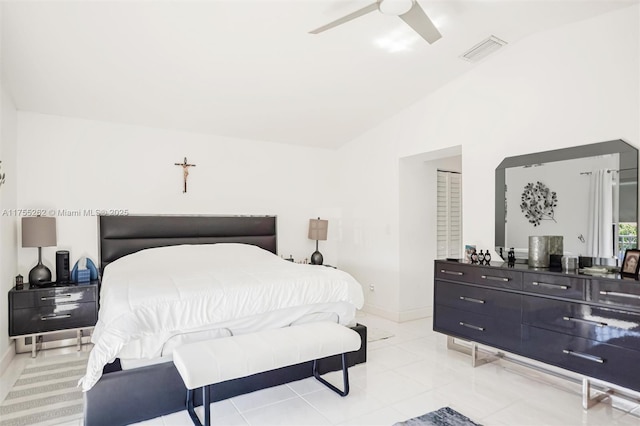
569 263
539 251
556 250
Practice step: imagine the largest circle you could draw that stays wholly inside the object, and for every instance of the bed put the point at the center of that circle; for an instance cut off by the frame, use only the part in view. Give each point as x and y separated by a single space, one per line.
144 314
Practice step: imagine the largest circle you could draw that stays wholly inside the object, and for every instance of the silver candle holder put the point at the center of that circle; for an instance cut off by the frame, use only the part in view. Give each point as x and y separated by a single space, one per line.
539 251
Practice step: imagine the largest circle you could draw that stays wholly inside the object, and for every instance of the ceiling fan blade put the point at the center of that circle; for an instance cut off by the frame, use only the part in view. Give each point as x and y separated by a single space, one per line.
420 22
347 18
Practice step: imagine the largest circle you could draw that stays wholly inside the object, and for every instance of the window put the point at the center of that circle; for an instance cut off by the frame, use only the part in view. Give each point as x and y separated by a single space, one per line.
449 232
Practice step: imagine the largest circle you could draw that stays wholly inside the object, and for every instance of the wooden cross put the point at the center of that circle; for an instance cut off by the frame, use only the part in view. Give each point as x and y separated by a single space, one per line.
185 169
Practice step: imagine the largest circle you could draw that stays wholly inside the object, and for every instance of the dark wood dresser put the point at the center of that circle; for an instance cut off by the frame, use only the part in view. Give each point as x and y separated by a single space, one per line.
586 324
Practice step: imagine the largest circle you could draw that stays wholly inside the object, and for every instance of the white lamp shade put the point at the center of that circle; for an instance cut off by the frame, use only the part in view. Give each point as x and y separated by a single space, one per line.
318 229
38 231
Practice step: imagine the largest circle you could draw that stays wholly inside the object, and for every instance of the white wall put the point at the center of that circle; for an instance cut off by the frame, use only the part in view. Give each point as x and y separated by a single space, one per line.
570 86
418 182
76 165
8 200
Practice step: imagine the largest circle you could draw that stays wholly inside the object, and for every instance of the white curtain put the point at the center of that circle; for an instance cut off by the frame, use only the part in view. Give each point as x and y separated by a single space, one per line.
600 232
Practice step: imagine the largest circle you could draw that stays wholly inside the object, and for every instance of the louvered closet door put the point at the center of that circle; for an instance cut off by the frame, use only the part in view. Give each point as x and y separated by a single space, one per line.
449 215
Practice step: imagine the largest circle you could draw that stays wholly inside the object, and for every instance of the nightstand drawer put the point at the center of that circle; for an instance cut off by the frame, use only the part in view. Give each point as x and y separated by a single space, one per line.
53 296
480 300
52 318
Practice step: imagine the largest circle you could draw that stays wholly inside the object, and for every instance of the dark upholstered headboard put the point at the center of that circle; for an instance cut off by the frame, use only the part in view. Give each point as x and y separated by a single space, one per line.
122 235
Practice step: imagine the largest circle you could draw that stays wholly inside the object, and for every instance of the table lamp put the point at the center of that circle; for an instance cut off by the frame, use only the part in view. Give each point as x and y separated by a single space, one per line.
39 232
317 231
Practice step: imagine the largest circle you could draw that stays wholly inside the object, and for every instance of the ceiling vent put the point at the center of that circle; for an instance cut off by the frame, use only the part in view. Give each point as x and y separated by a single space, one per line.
483 49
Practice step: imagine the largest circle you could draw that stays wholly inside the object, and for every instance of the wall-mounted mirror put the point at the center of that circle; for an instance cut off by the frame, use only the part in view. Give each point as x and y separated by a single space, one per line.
587 194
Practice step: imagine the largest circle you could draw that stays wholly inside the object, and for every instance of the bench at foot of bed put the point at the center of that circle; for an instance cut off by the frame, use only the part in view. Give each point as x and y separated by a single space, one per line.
122 397
203 364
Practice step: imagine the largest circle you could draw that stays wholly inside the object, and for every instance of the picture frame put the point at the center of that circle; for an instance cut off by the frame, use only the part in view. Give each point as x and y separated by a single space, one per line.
468 251
631 263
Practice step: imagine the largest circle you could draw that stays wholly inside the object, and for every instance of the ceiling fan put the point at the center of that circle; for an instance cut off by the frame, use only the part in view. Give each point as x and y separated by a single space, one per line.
408 10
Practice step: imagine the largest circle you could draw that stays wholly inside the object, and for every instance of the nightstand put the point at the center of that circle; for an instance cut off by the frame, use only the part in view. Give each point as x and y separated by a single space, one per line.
34 312
324 264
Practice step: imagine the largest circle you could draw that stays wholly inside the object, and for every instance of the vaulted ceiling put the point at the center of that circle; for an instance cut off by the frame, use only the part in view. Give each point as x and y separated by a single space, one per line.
249 68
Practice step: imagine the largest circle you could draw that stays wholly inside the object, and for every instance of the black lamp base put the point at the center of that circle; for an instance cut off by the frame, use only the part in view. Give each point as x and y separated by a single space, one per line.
316 258
39 274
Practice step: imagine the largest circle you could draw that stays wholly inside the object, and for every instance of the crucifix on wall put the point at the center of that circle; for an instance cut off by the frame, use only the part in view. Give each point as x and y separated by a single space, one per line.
185 172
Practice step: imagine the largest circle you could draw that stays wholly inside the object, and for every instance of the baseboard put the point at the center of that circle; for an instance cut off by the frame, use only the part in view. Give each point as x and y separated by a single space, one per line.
6 359
414 314
403 316
374 310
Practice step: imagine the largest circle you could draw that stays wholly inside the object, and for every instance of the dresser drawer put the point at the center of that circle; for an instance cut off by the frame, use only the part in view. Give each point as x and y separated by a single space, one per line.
619 292
475 274
52 318
480 300
591 358
455 271
555 285
53 296
607 325
487 329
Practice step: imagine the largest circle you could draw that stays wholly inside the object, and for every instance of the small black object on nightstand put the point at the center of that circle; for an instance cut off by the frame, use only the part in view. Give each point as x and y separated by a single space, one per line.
19 282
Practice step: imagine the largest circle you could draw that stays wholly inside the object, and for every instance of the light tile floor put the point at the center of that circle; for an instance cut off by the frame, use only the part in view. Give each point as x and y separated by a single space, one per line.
408 375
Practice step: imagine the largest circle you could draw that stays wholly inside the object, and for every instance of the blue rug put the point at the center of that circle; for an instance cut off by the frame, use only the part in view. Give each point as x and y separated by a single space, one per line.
443 417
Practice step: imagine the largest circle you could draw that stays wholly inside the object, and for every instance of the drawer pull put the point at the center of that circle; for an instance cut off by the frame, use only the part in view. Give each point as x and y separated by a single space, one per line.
54 316
471 299
489 277
584 356
549 285
584 321
444 271
57 296
615 293
474 327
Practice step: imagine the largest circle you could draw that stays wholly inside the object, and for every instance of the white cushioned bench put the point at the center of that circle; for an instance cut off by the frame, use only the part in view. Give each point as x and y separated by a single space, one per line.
206 363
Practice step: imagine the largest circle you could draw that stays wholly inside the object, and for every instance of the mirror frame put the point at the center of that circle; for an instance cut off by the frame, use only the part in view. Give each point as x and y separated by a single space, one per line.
628 160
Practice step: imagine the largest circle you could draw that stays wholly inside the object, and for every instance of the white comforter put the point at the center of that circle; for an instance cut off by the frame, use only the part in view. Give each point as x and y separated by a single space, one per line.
191 286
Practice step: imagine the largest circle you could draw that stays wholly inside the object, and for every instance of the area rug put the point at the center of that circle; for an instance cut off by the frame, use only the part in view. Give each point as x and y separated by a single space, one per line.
46 393
443 417
374 334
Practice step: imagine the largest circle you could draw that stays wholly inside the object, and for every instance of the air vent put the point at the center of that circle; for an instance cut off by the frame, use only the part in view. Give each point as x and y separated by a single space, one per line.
483 49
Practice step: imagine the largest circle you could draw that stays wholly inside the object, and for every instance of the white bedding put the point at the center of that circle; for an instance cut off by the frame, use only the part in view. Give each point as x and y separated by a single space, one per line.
151 295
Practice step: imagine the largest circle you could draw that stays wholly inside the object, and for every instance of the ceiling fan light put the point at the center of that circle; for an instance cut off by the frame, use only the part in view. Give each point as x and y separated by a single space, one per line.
395 7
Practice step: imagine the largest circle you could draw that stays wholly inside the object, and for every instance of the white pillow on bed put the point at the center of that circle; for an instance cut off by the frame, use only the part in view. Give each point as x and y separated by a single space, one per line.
223 254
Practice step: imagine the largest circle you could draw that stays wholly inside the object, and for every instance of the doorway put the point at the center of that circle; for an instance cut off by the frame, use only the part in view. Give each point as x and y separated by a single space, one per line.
418 236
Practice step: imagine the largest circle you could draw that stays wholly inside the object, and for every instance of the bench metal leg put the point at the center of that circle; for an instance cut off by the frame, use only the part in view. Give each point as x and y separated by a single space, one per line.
206 404
206 393
206 401
190 408
345 377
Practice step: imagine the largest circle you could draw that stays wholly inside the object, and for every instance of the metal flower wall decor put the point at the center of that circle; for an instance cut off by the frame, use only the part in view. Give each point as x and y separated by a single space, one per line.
538 203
